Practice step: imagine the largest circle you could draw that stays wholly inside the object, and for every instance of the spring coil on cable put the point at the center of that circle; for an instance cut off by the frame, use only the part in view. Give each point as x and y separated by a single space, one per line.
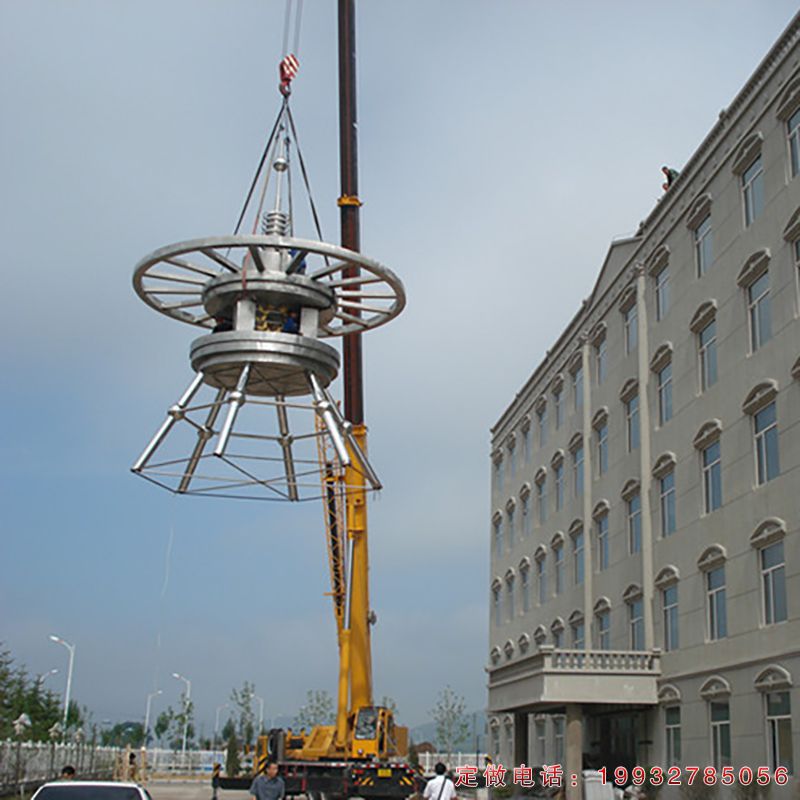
275 223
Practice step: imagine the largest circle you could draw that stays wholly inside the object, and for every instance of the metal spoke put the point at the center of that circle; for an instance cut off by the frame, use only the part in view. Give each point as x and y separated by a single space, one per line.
351 318
156 290
179 262
174 278
353 281
331 268
258 257
185 304
224 262
362 307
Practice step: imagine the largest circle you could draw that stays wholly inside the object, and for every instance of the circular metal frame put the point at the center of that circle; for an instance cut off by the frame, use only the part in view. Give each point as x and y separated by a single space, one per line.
280 362
172 279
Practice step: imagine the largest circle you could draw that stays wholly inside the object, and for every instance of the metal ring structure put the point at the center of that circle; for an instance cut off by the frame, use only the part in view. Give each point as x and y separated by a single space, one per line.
172 279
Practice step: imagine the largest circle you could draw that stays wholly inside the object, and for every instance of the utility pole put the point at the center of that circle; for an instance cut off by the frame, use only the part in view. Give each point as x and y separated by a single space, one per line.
71 649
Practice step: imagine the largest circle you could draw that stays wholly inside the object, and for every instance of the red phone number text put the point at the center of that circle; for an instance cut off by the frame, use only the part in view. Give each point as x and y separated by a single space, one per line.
552 775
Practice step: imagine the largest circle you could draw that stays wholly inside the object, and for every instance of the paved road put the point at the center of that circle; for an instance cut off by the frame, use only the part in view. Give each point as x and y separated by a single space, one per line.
172 790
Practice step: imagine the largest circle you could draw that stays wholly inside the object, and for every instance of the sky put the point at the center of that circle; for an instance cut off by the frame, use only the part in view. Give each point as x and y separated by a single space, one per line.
502 145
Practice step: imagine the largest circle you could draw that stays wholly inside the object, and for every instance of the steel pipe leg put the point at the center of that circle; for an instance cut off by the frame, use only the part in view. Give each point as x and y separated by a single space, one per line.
323 407
203 435
286 446
235 401
175 413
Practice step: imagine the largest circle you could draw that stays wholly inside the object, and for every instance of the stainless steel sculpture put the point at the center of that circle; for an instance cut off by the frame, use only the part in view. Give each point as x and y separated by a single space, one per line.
258 416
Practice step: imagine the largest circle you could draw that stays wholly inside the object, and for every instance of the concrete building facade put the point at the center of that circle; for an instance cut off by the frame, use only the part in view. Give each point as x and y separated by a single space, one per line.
645 491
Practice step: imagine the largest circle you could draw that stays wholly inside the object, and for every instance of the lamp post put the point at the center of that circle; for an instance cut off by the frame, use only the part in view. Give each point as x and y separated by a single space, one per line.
188 697
260 713
150 697
216 721
45 675
71 648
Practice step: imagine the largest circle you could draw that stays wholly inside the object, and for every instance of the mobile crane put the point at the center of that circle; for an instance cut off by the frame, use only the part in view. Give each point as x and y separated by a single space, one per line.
268 311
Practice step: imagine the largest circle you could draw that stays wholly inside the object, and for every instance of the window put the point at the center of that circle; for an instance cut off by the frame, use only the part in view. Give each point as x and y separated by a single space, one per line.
558 555
541 580
558 471
526 515
712 477
604 629
793 132
672 724
577 553
541 497
703 246
541 423
558 637
541 740
601 527
779 730
558 399
759 312
766 444
707 350
512 462
510 526
496 742
773 581
629 323
662 293
634 514
497 605
636 623
666 488
558 740
526 444
632 422
601 360
717 612
510 606
665 393
577 388
601 434
720 734
577 470
669 602
498 535
525 580
753 191
578 635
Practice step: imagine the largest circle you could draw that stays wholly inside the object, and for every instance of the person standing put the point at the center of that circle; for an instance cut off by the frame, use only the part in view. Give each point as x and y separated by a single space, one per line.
268 785
440 787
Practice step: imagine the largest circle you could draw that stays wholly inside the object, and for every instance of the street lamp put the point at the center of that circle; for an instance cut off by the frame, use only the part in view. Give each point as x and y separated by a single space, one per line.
188 697
260 713
150 697
45 675
216 721
71 648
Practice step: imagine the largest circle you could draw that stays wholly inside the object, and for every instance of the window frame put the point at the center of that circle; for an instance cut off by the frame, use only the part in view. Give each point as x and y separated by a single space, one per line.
664 393
714 632
759 313
752 192
633 519
768 589
716 728
559 571
671 757
630 325
670 617
704 361
773 731
631 419
667 502
662 292
703 245
761 444
793 142
602 539
603 628
578 556
601 442
708 469
578 477
636 623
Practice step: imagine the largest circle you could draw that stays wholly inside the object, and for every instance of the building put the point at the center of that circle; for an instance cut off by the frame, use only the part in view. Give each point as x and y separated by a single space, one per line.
645 527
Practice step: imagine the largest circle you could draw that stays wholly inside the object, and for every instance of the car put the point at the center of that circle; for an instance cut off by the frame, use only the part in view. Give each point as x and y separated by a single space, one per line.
91 790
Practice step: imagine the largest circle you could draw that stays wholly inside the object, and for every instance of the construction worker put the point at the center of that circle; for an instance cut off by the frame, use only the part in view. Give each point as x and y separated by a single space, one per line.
268 786
671 175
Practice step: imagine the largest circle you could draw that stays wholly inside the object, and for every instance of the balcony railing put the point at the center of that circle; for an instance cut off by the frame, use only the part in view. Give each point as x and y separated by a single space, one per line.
551 676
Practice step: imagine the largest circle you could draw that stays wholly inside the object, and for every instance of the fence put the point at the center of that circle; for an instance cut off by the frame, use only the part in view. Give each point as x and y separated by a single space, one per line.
161 761
428 761
28 764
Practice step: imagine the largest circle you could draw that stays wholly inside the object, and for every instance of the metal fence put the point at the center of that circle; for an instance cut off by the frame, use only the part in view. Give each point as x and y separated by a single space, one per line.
25 765
428 761
161 761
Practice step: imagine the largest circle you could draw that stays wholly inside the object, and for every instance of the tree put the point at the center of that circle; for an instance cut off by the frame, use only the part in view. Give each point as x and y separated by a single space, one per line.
228 729
182 720
163 724
232 763
391 704
123 734
242 700
317 710
413 754
451 721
